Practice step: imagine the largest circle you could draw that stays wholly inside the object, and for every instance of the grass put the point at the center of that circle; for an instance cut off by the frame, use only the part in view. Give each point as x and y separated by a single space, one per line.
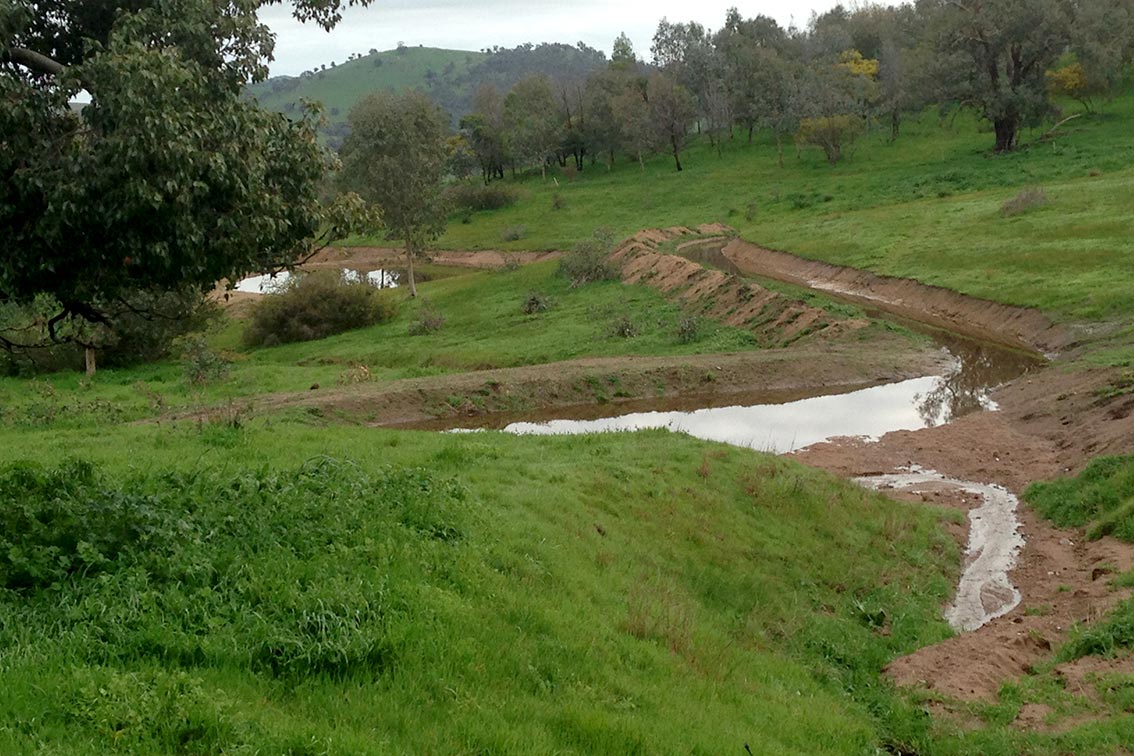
927 206
484 326
460 594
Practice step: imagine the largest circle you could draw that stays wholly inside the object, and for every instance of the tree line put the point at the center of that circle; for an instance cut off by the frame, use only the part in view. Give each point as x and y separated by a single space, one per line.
820 86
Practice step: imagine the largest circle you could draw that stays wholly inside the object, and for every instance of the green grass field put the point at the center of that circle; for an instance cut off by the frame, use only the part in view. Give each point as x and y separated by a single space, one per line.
278 584
927 206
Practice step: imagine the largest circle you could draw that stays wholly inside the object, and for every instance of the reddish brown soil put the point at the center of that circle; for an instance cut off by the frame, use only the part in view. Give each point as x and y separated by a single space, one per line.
371 258
773 318
984 319
1050 424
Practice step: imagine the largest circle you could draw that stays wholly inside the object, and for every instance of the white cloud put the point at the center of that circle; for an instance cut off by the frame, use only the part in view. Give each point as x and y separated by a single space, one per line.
461 25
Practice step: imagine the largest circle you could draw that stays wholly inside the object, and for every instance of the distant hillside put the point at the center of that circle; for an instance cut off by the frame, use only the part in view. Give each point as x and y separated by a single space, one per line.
450 77
338 87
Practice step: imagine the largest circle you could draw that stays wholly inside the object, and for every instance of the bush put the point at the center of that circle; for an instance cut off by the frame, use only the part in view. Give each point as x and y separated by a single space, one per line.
536 302
688 330
202 365
557 201
1028 199
473 197
624 328
429 320
588 261
317 305
513 233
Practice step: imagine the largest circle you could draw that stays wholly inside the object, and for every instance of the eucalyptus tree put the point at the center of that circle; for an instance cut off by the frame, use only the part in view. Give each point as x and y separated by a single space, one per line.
395 157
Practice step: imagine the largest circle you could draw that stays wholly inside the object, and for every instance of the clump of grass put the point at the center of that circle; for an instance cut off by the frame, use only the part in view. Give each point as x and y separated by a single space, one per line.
536 302
1101 498
688 329
624 327
429 320
514 233
1029 198
557 201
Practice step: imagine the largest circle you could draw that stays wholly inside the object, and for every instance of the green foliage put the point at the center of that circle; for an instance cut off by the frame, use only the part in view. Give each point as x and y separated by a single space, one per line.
201 363
588 261
1101 498
429 320
689 329
536 302
317 305
169 179
474 196
513 233
623 327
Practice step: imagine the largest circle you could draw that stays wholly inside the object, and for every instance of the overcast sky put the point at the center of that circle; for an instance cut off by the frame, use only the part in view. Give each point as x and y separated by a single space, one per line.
476 24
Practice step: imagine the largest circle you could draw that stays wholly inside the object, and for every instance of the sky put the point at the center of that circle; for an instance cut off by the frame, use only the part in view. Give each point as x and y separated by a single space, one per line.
477 24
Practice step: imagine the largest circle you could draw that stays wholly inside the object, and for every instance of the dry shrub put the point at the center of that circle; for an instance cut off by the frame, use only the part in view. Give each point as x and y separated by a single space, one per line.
536 302
514 233
429 320
1028 199
317 305
588 261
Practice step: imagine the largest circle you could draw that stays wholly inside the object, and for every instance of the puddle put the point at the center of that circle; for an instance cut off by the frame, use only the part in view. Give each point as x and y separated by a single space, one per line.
984 592
787 422
274 283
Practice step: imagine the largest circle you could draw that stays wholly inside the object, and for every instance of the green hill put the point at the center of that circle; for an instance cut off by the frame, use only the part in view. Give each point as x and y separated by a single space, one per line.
338 87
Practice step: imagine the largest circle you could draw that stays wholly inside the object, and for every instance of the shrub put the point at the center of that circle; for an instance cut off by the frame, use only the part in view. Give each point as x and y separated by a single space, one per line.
1028 199
832 134
536 302
202 365
688 330
429 320
557 201
473 197
588 261
317 305
624 328
513 233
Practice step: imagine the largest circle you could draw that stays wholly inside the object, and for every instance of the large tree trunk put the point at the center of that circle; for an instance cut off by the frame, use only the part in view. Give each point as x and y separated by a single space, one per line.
676 156
89 355
409 269
1006 128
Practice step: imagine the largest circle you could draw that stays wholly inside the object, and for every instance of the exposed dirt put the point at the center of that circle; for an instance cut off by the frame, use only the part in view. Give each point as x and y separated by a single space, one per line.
774 319
1050 423
702 380
984 319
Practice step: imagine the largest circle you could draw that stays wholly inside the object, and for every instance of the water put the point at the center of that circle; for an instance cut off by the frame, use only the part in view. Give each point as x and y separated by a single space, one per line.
985 591
785 422
275 283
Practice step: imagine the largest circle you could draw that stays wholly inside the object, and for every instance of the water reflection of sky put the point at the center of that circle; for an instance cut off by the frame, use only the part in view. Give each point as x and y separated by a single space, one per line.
272 284
780 428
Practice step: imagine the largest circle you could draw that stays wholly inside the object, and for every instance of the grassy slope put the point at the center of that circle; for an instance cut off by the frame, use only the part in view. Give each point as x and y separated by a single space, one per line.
927 206
484 327
605 594
342 86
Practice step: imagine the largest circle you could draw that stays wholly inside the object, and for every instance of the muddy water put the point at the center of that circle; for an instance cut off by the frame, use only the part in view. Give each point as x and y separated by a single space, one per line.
785 422
985 592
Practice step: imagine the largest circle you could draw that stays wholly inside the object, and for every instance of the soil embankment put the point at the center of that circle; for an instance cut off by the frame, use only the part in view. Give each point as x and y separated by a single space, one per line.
773 318
1019 327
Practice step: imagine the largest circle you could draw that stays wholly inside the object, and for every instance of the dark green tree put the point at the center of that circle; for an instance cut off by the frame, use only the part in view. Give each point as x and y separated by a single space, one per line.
169 179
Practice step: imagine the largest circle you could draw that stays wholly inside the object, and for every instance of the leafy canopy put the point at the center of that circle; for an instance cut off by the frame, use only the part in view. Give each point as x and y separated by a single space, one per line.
168 179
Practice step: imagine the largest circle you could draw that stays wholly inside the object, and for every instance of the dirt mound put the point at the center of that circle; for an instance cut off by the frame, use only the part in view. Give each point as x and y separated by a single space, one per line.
971 316
775 320
359 258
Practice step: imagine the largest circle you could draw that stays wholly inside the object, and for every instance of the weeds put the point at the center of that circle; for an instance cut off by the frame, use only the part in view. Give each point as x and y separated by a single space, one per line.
429 320
513 233
1029 198
535 302
588 261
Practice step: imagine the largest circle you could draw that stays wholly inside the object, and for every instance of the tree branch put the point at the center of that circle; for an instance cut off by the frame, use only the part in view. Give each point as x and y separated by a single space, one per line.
35 61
